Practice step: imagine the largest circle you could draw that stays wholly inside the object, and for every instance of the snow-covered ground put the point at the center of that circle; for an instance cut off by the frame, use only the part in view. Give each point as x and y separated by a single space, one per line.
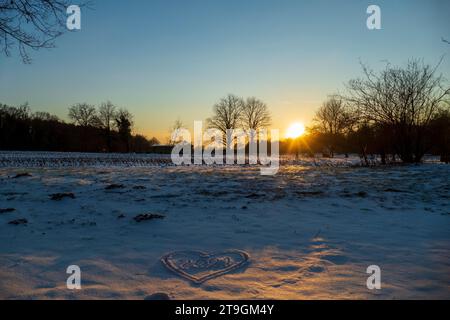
310 231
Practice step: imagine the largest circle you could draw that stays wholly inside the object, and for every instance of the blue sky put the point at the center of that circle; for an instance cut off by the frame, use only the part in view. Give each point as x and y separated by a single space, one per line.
172 59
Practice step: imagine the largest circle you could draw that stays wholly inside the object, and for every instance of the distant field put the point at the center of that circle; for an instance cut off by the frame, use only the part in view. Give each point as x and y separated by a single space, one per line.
33 159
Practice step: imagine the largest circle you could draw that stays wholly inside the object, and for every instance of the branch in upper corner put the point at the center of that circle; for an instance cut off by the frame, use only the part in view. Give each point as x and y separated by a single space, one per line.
31 24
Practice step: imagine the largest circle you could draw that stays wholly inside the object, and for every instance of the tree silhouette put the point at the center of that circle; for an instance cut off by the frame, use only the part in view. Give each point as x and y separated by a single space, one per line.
107 116
124 122
175 134
255 114
227 114
84 115
333 120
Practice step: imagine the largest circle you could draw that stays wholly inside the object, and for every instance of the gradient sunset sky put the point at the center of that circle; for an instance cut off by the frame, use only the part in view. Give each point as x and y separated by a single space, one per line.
169 59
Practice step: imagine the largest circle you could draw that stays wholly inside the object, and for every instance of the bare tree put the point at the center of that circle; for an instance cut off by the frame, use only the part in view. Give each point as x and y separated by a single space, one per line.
334 116
31 24
227 114
84 115
255 114
333 120
404 99
107 116
175 132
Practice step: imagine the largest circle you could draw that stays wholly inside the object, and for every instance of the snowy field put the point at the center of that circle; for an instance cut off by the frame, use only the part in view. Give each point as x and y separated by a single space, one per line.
310 231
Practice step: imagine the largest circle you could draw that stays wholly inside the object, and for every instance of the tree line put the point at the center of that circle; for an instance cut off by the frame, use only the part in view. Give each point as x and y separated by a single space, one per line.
103 129
399 113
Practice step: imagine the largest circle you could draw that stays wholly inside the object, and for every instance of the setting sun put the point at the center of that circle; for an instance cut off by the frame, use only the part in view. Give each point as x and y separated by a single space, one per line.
295 130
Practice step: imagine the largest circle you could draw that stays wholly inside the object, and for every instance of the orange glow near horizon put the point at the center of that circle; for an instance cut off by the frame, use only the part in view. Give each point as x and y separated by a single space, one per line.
295 130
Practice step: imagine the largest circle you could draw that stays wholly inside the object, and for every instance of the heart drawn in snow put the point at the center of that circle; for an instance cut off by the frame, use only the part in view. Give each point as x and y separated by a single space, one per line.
199 267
